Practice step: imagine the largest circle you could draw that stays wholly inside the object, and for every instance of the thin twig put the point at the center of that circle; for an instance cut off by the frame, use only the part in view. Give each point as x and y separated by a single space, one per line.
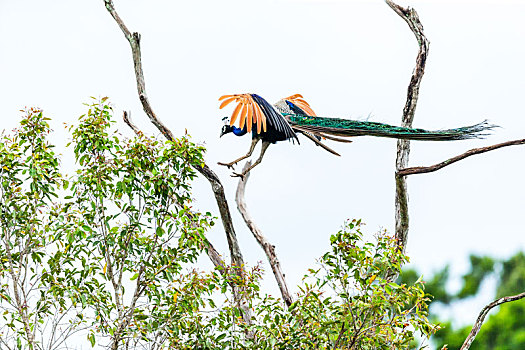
268 248
340 336
410 16
477 326
431 168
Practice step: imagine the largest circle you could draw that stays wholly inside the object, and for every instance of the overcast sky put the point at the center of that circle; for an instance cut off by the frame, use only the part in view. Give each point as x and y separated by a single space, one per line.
350 59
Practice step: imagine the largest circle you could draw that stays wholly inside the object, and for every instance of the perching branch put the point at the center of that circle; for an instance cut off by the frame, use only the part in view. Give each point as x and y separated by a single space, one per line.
268 248
431 168
218 189
403 146
479 321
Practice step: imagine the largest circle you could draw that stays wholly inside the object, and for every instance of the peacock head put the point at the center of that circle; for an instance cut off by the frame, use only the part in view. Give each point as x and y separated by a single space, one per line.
226 128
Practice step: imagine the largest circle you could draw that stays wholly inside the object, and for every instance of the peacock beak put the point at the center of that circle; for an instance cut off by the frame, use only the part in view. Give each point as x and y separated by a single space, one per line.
225 130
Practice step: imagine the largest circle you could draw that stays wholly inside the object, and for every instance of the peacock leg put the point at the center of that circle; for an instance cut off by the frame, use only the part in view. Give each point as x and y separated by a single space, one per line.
252 147
264 147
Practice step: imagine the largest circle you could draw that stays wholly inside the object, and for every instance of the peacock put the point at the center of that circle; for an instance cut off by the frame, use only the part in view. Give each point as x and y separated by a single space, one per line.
292 115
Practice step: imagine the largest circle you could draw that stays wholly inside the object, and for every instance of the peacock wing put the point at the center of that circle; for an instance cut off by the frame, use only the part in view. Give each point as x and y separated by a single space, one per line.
275 119
298 101
247 109
255 112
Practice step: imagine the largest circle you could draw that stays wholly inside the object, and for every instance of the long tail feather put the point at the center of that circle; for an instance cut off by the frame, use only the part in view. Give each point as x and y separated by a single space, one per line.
345 128
336 139
321 135
318 143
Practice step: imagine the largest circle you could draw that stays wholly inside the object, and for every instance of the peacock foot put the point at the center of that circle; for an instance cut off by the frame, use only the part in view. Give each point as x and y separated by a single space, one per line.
241 175
228 165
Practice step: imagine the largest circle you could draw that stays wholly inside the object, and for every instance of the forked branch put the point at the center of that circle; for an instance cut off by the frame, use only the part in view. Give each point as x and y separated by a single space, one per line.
268 248
410 16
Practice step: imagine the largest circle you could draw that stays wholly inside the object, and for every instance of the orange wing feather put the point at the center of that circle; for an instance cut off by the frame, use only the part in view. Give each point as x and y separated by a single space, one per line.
235 113
249 111
249 117
226 102
297 100
243 114
225 96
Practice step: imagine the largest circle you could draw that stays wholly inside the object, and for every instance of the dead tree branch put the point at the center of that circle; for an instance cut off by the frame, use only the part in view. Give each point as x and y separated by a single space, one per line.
410 16
218 189
126 116
134 40
432 168
268 248
479 321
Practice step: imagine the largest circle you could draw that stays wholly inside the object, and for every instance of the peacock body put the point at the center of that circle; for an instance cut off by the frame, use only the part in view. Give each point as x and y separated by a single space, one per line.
293 115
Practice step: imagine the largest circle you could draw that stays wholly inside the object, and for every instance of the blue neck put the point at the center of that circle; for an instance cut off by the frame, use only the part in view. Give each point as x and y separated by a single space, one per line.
239 132
295 109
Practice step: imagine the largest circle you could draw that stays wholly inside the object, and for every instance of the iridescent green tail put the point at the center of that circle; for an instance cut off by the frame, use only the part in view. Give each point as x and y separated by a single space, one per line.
345 127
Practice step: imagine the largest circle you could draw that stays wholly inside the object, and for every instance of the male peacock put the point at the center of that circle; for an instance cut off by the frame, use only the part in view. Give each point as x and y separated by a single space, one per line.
293 115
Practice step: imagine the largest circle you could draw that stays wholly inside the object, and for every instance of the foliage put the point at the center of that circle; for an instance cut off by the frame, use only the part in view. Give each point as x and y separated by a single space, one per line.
133 202
106 255
109 255
31 225
504 327
348 302
435 286
481 267
512 278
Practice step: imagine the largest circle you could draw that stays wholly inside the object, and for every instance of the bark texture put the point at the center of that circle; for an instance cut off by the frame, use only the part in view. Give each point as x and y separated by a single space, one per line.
410 16
269 249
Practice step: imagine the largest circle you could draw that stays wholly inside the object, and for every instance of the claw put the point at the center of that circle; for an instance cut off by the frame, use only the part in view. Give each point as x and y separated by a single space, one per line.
238 175
228 165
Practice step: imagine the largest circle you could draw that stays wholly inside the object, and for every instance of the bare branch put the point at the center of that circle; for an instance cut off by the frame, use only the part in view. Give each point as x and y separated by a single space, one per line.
479 321
134 41
218 189
410 16
431 168
268 248
127 119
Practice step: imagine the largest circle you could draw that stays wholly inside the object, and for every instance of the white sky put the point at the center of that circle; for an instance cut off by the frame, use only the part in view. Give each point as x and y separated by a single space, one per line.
349 59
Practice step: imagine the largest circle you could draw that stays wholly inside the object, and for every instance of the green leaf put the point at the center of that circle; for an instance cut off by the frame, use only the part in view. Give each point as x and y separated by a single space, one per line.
91 338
